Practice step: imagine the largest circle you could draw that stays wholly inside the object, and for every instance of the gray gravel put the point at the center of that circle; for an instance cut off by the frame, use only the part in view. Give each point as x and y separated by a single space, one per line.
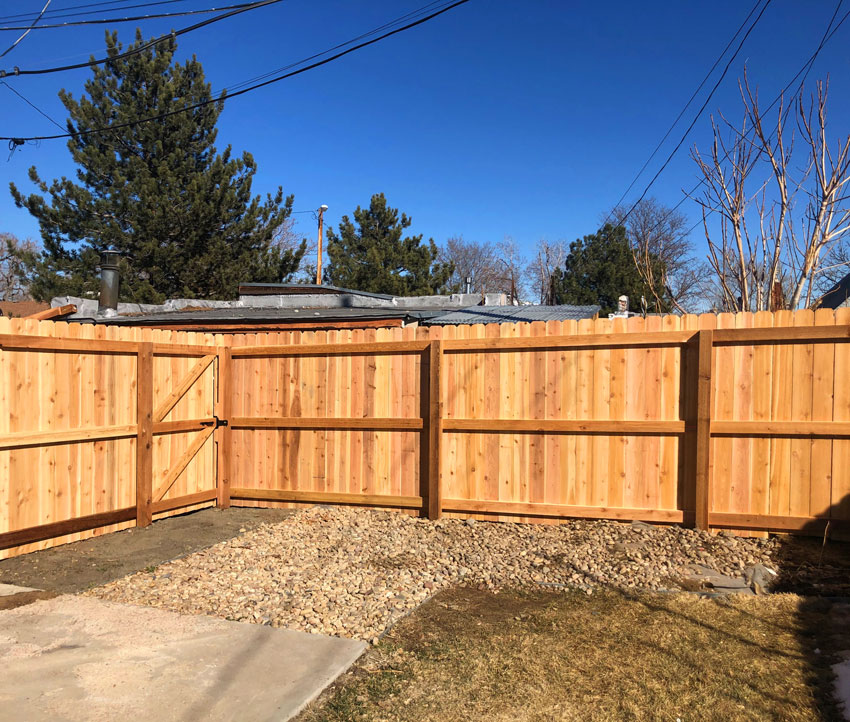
353 572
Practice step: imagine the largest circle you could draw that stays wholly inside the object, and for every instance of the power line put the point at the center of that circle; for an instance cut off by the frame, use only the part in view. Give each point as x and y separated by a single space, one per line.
144 46
251 88
130 19
60 12
698 114
26 31
804 71
687 105
32 105
412 14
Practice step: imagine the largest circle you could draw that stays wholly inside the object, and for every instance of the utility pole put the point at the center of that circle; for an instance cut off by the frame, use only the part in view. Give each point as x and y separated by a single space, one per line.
322 209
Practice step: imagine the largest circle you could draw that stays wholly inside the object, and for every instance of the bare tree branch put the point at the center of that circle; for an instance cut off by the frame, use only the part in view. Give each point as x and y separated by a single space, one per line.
663 254
800 206
13 281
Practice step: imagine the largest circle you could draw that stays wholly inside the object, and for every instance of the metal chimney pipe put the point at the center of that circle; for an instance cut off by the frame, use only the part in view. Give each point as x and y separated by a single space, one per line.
107 304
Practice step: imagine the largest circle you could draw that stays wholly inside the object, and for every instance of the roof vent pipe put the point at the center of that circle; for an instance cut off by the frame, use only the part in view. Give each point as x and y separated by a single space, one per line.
107 304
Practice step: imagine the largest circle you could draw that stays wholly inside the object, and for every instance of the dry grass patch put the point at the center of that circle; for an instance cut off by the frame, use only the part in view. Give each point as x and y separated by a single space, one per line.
473 655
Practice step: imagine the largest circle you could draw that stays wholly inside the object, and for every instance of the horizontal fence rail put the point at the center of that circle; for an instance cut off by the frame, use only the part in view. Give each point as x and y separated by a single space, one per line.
736 422
688 437
83 449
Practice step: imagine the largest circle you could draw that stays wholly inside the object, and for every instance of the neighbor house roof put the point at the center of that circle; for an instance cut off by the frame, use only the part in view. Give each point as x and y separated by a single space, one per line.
20 309
262 318
512 314
837 296
303 289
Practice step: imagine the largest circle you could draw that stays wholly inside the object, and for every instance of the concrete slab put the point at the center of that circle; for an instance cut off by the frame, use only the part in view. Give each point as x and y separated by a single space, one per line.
7 590
79 658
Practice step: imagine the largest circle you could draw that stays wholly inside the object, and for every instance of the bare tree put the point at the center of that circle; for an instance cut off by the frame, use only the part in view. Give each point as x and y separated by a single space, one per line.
13 256
663 253
513 267
784 216
550 256
477 261
494 268
286 238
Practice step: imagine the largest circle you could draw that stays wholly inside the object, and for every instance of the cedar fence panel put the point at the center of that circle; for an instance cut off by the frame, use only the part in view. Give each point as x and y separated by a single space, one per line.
729 421
68 437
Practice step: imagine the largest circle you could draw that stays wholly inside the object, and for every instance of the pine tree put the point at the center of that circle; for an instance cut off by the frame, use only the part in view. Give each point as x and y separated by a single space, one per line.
599 269
180 213
374 257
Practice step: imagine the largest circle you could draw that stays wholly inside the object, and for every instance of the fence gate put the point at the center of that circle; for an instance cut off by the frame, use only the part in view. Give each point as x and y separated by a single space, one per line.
100 432
179 470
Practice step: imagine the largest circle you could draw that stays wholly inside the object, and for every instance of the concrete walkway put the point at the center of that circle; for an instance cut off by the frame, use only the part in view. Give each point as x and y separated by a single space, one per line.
79 658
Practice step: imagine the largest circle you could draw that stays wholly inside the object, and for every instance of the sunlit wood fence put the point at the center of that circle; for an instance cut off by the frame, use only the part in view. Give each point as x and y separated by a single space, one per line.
731 421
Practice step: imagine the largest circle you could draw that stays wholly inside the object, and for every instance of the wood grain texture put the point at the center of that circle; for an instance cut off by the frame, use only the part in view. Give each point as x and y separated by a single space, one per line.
561 510
224 436
702 470
564 416
71 426
435 419
144 438
308 497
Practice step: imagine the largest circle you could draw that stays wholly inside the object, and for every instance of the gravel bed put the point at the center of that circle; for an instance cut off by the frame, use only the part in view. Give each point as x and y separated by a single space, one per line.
353 572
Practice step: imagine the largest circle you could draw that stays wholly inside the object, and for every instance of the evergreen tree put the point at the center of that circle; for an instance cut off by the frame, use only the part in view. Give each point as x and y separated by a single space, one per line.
180 213
599 269
374 257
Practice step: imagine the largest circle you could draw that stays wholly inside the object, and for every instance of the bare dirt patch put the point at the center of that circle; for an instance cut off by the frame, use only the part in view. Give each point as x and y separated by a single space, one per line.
79 566
811 567
21 599
532 655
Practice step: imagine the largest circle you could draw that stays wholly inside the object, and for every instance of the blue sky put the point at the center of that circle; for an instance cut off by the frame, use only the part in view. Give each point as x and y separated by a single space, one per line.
526 119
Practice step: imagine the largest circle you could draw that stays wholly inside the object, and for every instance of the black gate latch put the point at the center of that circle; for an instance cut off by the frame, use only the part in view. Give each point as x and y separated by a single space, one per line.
216 421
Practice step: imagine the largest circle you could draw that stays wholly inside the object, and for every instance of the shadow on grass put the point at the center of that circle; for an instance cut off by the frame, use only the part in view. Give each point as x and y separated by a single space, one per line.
816 566
537 654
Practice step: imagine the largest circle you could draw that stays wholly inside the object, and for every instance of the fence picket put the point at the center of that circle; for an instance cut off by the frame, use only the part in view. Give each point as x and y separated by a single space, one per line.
596 418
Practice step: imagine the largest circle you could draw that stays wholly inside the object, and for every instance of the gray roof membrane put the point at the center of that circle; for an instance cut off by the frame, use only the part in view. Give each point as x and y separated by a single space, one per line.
512 314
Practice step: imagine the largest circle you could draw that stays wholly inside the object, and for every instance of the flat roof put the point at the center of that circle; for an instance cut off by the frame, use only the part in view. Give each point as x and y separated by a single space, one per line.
255 315
513 314
303 289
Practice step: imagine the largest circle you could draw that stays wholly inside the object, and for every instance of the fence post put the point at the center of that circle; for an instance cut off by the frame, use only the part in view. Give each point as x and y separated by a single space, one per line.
702 460
144 434
432 420
224 395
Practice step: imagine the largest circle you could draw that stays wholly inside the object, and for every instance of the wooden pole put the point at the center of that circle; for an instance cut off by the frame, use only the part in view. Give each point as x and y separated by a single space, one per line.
702 461
223 411
144 434
319 250
432 433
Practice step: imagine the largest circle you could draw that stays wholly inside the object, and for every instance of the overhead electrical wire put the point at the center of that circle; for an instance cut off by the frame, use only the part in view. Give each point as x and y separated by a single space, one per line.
129 19
256 86
26 30
61 12
681 141
144 46
32 105
688 104
412 14
804 71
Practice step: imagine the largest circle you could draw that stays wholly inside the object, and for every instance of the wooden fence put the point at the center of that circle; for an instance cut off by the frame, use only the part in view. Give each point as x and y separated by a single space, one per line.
731 421
102 427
